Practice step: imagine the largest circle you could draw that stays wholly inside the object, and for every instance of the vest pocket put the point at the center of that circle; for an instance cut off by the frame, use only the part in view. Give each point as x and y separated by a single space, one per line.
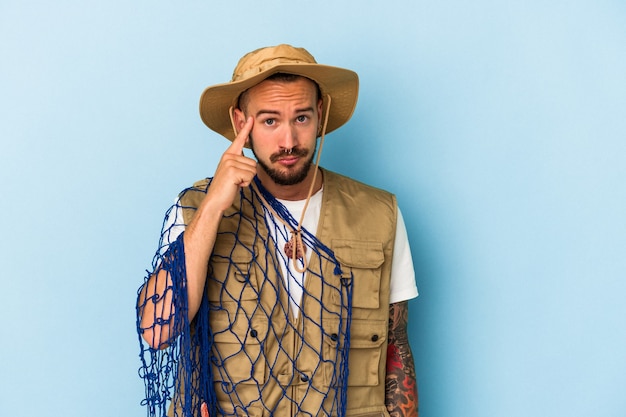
237 357
367 338
366 344
230 282
363 260
231 277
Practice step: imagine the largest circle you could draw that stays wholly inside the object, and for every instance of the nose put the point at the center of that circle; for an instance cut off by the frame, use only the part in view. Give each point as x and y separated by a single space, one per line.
289 138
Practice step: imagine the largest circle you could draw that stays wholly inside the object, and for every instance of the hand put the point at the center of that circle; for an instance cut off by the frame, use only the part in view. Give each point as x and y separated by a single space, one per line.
234 170
204 410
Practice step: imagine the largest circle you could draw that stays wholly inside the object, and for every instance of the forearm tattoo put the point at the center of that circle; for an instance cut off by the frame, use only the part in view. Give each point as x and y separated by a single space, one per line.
401 382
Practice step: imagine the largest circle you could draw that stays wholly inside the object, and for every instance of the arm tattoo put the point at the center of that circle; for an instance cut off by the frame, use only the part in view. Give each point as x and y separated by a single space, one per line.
400 383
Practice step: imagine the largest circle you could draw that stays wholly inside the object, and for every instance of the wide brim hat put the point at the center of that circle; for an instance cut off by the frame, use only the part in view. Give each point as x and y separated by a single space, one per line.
342 85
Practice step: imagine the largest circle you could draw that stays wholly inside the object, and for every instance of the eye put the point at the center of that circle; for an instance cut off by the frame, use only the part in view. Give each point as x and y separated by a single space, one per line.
302 119
269 122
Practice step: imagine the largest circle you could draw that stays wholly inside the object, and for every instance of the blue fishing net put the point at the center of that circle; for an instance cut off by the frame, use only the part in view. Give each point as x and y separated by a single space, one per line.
243 353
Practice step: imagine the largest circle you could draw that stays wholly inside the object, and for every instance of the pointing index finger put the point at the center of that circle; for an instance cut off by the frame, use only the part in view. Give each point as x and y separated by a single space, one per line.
240 141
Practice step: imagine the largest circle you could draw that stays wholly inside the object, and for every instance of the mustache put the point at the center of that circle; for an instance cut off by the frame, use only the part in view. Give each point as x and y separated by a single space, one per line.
295 151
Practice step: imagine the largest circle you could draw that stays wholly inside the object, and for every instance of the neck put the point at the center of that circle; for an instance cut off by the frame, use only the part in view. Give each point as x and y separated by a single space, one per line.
293 192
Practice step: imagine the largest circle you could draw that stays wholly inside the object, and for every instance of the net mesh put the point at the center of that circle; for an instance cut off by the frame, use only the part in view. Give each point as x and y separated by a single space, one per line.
246 352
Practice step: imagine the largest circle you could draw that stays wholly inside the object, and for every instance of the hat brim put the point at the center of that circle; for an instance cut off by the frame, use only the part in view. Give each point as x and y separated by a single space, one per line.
341 84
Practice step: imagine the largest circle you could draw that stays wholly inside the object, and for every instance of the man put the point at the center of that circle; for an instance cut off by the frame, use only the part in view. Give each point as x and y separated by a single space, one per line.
280 288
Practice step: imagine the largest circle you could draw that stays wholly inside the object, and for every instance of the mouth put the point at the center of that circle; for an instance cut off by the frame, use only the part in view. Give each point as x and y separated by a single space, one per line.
288 159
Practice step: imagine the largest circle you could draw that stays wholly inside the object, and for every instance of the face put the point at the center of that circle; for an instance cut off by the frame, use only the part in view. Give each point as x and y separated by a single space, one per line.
284 135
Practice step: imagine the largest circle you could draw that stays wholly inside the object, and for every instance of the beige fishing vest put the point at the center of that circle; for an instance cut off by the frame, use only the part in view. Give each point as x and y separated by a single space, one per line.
358 223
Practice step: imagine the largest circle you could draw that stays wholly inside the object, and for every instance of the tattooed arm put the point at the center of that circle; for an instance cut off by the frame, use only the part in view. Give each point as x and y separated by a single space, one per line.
400 383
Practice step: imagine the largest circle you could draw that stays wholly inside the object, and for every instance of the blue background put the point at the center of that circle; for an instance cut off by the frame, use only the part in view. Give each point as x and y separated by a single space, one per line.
500 125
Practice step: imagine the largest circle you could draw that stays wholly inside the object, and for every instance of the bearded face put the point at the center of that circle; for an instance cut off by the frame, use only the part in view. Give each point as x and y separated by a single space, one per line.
282 175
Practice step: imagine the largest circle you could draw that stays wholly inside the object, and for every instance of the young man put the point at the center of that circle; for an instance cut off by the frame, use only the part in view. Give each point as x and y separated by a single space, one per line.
280 288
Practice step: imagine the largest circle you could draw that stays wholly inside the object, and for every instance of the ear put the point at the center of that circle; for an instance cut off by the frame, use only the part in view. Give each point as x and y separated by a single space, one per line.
239 119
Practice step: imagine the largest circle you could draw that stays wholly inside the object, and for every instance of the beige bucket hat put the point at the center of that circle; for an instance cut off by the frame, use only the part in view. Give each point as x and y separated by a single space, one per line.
342 85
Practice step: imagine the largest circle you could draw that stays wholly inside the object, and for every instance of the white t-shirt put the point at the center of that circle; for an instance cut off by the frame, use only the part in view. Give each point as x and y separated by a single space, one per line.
402 284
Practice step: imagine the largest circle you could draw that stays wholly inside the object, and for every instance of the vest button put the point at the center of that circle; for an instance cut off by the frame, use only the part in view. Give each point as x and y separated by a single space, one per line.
253 333
374 338
304 378
334 337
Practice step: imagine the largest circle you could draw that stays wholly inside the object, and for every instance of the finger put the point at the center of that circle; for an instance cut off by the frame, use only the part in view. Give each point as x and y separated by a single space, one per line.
240 141
235 164
204 410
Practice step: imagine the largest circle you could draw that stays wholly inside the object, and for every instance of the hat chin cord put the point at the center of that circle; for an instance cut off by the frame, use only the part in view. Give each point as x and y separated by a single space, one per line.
296 234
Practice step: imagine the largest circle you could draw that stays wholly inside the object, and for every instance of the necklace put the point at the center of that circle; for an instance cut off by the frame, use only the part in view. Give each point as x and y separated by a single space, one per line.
300 248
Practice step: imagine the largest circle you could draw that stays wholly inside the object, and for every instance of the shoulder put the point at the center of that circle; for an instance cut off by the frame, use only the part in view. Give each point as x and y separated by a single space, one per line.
201 185
193 195
353 189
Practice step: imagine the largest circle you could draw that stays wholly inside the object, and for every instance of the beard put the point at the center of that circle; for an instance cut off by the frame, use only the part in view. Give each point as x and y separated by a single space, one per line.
290 176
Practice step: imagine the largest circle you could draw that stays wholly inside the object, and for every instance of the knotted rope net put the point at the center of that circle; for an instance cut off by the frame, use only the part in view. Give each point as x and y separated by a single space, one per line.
248 351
